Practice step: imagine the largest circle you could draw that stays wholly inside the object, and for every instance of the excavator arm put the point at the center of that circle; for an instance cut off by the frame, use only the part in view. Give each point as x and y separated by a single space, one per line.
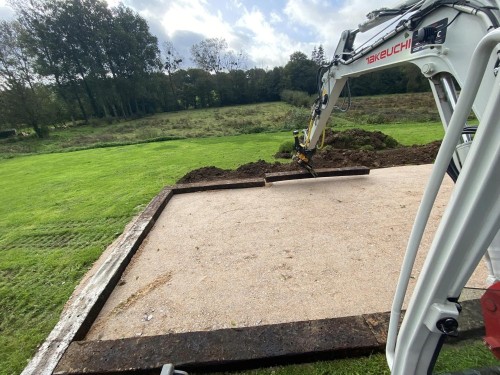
428 34
456 45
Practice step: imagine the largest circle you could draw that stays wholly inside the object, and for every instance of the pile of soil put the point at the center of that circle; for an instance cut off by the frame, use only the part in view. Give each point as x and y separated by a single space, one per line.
342 149
359 139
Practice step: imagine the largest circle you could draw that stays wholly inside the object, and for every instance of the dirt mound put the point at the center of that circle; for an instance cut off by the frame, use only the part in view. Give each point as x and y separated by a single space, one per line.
414 155
349 148
351 139
354 139
327 158
203 174
250 170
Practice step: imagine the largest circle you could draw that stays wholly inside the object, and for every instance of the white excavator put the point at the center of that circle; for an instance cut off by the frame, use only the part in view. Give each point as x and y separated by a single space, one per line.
456 45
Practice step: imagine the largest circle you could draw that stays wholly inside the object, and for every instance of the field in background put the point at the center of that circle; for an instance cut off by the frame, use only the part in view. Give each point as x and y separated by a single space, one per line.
200 123
59 210
215 122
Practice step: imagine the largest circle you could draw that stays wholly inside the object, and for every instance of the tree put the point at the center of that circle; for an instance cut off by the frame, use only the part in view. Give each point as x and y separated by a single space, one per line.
232 61
23 101
256 79
300 73
203 88
133 49
275 83
172 63
318 55
208 54
213 56
97 57
417 82
238 87
59 34
134 54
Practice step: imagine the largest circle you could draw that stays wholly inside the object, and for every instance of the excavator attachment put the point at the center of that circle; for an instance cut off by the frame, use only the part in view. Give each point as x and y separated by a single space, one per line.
302 155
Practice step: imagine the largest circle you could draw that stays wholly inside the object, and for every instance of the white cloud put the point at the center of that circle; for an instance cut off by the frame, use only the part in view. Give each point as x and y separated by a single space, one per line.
194 16
6 12
269 47
236 4
328 19
266 33
275 18
111 3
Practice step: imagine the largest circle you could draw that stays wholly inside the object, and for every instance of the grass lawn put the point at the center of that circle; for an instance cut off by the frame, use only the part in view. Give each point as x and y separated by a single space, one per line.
407 134
59 210
457 357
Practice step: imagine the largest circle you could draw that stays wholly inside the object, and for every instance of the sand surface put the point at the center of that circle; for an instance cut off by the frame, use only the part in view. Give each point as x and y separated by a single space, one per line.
290 251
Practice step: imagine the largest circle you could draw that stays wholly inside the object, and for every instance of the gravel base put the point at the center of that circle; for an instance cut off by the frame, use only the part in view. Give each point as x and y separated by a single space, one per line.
290 251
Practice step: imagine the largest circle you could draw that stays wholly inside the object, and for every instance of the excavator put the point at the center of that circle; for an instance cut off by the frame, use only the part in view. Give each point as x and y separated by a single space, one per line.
456 46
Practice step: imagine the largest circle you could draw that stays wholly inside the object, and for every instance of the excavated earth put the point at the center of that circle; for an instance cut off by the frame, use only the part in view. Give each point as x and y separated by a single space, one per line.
342 149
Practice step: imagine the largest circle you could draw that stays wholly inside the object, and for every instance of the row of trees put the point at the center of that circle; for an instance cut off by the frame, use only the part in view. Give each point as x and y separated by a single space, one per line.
66 60
92 59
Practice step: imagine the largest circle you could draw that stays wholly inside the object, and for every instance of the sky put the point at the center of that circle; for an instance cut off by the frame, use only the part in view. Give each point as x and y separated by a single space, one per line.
267 31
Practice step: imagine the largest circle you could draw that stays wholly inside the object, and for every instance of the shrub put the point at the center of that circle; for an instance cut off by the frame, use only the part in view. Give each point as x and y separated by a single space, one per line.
297 98
285 150
376 119
254 130
286 147
42 132
296 118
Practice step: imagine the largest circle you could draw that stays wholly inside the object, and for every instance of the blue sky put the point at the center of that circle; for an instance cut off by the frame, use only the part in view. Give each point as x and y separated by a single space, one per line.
267 31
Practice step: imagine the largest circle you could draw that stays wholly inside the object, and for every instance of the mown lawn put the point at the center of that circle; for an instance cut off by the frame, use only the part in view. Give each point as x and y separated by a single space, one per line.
457 357
59 211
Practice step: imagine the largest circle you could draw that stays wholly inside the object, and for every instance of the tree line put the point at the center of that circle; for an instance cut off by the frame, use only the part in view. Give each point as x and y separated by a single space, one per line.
69 60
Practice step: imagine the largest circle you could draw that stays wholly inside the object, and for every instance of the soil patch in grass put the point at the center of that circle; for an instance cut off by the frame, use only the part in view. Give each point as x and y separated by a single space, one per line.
349 148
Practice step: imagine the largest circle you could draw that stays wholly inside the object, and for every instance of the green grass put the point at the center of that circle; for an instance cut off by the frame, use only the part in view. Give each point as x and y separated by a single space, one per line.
457 357
59 211
407 134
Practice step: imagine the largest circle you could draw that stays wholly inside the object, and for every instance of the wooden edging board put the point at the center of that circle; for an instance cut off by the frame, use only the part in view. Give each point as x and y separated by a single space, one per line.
324 172
243 348
80 314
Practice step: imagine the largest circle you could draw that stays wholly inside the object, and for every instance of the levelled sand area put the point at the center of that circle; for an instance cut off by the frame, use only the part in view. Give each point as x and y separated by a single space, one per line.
290 251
